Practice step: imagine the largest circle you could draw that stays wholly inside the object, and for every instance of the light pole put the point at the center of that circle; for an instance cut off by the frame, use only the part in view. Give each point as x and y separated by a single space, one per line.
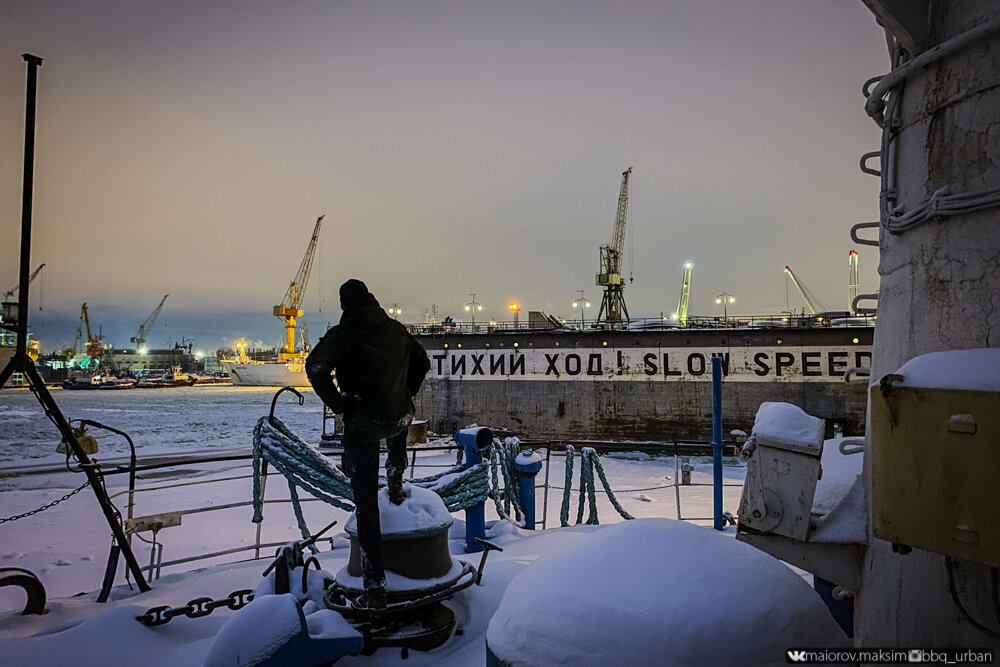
582 303
725 299
514 308
472 307
395 311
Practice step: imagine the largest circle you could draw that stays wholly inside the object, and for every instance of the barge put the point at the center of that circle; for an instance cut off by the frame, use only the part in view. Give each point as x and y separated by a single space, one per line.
646 385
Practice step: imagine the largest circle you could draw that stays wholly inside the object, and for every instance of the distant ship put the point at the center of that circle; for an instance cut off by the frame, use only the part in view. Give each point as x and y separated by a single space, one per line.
290 368
289 373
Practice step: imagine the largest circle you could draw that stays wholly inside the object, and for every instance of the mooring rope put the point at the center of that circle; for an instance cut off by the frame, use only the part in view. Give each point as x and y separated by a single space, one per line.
501 457
304 467
589 462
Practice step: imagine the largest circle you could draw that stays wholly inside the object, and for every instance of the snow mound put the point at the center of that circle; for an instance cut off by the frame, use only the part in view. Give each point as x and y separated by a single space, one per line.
656 592
256 632
422 510
973 370
787 426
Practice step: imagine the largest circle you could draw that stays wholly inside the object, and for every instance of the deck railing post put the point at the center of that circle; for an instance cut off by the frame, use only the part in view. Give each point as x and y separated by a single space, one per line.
528 464
475 441
717 440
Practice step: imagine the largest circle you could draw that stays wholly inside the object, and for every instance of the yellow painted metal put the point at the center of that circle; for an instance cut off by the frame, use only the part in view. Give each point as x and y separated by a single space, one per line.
935 469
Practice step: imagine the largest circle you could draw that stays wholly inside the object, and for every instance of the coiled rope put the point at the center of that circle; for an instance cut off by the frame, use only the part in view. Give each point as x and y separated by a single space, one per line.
306 468
589 461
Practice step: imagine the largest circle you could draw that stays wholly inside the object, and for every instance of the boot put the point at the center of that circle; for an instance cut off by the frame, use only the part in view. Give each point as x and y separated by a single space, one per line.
395 487
373 599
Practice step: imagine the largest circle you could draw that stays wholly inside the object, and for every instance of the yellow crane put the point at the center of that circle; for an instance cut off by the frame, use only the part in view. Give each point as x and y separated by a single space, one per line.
94 348
613 310
291 306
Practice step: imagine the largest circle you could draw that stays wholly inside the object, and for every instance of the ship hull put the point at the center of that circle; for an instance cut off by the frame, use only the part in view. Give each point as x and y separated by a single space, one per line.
290 374
640 385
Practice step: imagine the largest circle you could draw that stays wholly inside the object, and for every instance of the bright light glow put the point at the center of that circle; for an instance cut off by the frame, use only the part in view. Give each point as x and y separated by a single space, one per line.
467 309
718 299
855 340
732 299
575 304
688 265
586 305
493 323
478 307
143 351
513 306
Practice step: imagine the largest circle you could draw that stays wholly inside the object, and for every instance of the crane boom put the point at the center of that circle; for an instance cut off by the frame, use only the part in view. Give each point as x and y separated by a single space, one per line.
9 294
291 306
143 333
610 278
682 305
812 301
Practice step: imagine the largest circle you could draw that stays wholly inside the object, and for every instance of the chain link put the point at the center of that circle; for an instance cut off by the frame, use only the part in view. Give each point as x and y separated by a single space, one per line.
45 507
195 608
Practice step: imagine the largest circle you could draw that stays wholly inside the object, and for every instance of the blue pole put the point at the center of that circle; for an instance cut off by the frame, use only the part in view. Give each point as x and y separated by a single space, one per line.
527 463
717 440
475 441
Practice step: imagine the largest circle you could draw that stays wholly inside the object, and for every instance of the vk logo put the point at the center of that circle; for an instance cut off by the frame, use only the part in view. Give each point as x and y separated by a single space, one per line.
796 656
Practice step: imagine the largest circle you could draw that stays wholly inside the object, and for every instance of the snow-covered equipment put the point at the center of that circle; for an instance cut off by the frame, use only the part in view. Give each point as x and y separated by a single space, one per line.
935 433
420 574
783 465
655 592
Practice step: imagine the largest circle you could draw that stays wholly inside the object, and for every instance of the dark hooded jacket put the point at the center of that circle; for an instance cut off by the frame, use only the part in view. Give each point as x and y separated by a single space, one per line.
379 366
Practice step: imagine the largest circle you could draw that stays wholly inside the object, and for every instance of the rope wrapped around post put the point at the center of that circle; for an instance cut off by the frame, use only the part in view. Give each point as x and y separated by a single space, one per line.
306 468
589 462
502 457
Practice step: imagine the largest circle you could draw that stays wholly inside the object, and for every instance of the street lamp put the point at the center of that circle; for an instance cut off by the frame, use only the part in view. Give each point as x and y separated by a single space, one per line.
395 311
725 299
472 307
582 303
514 308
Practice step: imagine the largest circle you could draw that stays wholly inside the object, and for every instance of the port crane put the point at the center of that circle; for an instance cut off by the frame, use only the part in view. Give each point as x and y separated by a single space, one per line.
613 310
681 314
291 306
810 297
10 303
143 333
94 348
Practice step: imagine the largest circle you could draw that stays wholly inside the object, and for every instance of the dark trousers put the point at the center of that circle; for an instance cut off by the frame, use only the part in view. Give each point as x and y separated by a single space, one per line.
360 462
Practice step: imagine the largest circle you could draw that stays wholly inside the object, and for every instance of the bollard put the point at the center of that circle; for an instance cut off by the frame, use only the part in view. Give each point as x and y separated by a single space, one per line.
475 441
527 463
720 520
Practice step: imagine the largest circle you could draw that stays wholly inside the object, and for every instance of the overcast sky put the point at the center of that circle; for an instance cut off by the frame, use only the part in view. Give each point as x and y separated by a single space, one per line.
454 147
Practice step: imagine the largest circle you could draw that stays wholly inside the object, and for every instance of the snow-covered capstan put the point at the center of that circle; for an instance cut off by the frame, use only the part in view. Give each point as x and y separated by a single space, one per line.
421 511
787 426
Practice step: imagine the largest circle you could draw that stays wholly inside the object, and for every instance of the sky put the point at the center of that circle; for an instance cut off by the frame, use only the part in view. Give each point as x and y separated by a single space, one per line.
454 148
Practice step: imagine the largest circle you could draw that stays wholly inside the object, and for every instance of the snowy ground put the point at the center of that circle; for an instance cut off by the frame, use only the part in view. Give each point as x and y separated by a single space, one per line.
67 546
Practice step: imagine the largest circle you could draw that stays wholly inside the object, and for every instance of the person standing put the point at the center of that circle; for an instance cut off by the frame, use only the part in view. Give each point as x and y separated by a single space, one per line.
369 367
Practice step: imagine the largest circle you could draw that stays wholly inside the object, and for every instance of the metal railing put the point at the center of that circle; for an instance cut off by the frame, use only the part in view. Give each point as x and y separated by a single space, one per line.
153 523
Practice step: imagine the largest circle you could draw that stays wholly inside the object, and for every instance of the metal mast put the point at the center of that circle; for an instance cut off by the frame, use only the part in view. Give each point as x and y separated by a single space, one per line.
140 336
852 280
613 309
291 306
681 315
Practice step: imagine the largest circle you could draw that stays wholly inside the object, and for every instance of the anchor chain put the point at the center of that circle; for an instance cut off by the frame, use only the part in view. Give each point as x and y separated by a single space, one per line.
46 506
195 608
